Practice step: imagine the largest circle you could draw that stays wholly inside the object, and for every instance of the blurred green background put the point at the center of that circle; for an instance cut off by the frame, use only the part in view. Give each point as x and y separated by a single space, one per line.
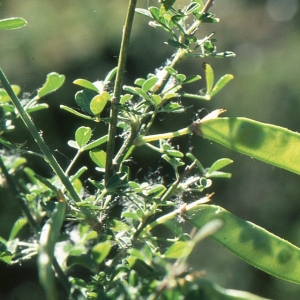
81 38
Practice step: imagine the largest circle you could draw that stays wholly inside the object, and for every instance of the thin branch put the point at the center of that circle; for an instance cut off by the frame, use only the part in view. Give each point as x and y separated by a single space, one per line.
34 132
118 89
32 222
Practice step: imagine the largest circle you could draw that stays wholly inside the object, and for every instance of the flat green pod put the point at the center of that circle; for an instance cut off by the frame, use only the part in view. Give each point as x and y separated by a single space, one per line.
272 144
250 242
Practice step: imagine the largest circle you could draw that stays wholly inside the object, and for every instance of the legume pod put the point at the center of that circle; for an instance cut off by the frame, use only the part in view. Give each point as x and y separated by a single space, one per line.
48 239
272 144
250 242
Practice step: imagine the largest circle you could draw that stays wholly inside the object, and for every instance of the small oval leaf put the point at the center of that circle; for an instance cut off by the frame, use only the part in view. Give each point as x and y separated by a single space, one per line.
83 100
12 23
86 84
221 83
98 102
98 157
149 84
219 164
100 251
83 135
53 82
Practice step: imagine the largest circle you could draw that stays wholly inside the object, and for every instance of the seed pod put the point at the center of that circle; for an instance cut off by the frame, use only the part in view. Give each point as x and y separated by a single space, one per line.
250 242
272 144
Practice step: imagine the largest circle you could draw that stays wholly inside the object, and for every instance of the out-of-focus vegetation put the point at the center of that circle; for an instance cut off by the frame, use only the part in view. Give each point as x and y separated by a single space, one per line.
81 40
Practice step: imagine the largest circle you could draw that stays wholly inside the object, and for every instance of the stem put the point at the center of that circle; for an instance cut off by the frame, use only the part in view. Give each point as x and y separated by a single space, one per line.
179 211
32 222
34 132
193 96
164 136
118 89
73 162
61 275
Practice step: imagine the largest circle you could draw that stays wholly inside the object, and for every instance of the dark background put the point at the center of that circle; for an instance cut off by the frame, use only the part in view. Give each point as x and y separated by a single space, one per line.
80 39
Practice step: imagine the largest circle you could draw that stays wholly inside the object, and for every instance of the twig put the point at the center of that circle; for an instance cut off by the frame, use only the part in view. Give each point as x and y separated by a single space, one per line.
34 132
19 201
118 89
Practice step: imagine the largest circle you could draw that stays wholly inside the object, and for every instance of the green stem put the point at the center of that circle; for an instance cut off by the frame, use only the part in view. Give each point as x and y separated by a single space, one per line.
34 132
193 96
73 162
181 210
32 222
118 89
164 136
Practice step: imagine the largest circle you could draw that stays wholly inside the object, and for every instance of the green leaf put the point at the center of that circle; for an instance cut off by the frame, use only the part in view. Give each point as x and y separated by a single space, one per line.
178 249
109 77
53 82
143 12
137 91
37 107
98 157
12 23
83 135
78 173
206 18
223 54
98 102
156 99
250 242
73 144
46 182
76 113
17 227
4 96
180 77
174 153
166 5
156 190
96 143
209 76
6 256
272 144
118 180
149 84
176 44
125 98
218 174
171 71
83 100
117 226
100 251
221 83
84 260
6 143
155 12
192 7
200 2
140 81
86 84
191 79
173 107
219 164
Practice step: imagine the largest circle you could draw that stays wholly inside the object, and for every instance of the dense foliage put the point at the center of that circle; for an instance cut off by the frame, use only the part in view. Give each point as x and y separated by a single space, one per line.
108 227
